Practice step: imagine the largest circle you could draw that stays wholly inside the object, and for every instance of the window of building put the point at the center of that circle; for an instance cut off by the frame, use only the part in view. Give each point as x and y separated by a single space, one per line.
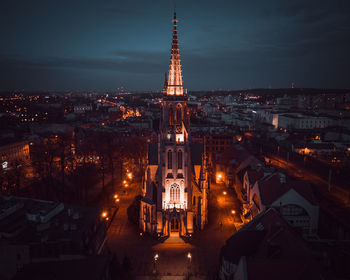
170 159
171 115
175 193
179 159
178 115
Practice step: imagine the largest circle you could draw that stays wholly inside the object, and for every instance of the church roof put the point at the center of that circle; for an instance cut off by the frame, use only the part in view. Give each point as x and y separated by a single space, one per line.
196 153
151 194
153 154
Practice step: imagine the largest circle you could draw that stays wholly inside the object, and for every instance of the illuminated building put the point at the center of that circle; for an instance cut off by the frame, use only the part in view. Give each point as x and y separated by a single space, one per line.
175 187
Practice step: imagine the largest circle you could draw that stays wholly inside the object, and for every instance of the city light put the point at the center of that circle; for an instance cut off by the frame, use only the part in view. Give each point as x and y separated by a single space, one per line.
104 214
224 193
115 196
156 256
124 182
219 177
130 175
117 200
189 256
233 212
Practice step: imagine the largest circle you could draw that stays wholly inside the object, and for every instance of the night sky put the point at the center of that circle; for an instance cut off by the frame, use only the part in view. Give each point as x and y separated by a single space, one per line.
102 45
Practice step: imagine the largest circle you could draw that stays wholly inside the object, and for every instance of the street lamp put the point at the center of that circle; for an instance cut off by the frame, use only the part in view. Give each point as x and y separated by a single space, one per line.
130 175
156 256
233 212
104 214
189 257
115 196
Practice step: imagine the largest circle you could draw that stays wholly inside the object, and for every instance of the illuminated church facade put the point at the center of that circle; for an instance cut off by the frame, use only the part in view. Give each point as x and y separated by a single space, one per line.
175 185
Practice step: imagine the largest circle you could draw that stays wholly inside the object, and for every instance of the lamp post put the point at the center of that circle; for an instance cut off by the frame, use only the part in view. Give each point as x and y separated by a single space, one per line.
155 258
189 257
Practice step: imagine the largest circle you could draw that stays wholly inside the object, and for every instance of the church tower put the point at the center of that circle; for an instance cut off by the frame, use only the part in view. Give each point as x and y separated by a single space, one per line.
175 185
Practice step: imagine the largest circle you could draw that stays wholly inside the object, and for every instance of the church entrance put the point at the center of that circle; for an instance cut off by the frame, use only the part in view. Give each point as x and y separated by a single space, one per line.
174 225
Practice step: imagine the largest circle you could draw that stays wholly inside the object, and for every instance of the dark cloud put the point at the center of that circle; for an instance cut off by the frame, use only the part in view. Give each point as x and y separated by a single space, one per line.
228 44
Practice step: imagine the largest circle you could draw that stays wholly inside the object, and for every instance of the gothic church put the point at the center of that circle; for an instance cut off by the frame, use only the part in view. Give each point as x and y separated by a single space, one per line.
175 185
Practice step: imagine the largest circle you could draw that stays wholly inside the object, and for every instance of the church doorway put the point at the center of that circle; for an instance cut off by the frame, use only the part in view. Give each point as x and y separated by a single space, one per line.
174 225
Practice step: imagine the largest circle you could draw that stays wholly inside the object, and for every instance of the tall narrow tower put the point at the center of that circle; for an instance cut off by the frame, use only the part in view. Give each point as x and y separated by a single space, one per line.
175 185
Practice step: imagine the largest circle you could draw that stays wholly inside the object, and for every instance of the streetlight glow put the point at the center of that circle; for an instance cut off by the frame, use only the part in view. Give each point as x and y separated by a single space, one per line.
225 193
104 214
156 256
130 175
189 256
233 212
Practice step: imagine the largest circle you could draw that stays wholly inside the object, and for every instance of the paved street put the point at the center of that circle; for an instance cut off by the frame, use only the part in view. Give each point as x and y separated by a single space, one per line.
124 239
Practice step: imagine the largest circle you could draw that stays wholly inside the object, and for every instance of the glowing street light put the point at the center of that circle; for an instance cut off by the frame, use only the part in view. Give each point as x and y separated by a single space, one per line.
117 200
124 182
233 212
225 193
115 196
104 214
156 256
189 256
130 175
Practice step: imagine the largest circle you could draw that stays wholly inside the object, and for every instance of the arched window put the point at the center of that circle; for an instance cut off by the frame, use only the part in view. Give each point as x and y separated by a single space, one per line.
170 159
171 115
174 193
179 159
178 115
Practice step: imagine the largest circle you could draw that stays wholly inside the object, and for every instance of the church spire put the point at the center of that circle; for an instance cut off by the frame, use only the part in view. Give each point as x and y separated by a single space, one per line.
175 86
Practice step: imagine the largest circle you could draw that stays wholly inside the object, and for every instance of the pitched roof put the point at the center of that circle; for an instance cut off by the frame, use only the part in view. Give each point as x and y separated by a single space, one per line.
238 156
151 194
267 237
254 175
153 154
272 188
196 153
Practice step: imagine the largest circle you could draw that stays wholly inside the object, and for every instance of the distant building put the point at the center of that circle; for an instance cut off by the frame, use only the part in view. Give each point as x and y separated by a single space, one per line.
299 121
14 151
36 230
82 108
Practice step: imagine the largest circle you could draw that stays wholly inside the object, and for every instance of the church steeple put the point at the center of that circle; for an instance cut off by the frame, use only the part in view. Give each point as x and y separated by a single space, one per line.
175 86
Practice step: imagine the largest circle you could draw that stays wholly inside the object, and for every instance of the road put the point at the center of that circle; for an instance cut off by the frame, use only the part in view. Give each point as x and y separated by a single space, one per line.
125 240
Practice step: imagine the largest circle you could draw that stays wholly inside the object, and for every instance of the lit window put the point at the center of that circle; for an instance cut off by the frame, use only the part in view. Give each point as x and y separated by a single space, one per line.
175 193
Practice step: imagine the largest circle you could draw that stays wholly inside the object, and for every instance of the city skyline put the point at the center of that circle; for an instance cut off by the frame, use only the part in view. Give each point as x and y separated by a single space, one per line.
225 45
